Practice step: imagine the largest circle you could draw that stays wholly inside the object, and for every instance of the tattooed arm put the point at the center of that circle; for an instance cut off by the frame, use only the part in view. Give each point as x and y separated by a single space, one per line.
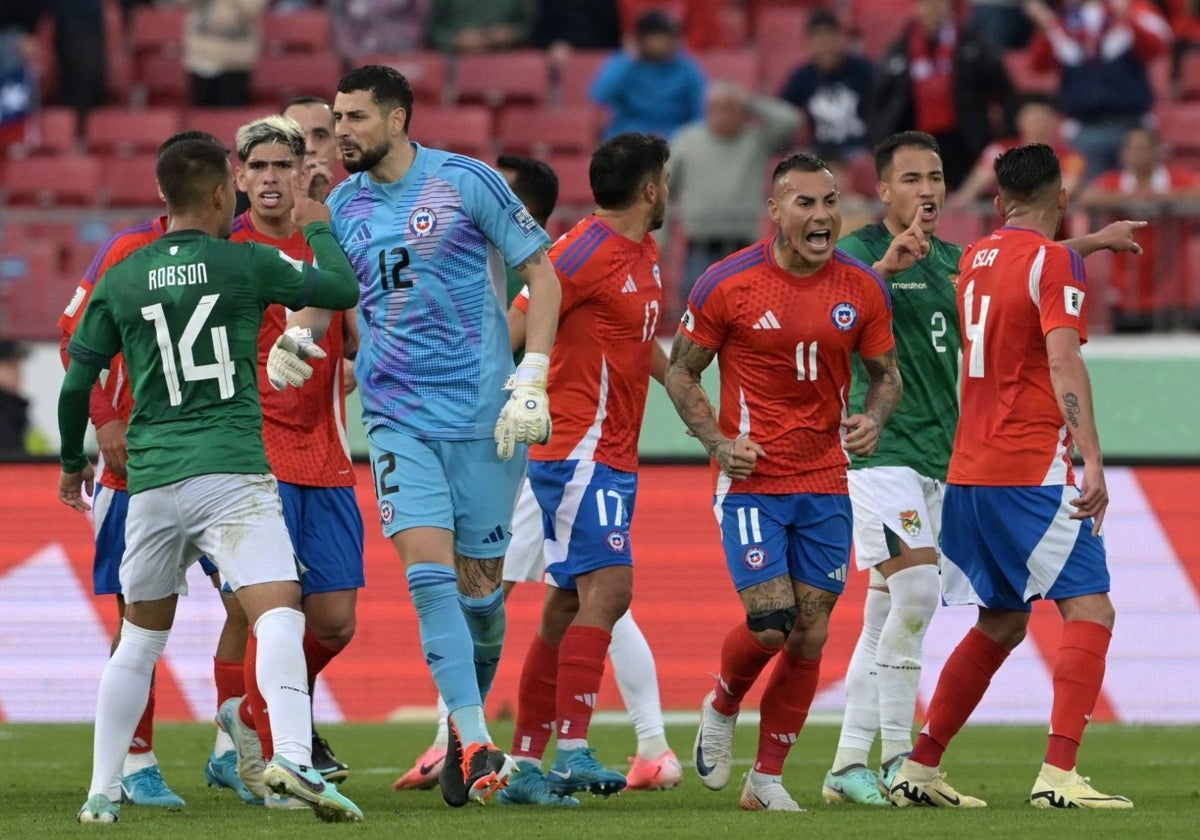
1073 387
883 395
545 298
682 381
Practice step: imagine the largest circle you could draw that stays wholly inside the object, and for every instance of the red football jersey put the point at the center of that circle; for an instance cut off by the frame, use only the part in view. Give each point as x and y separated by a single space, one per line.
784 345
600 365
1014 287
304 429
111 398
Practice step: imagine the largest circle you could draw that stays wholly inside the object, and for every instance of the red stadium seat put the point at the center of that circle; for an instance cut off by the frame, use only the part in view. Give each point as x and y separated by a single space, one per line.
574 185
878 24
33 291
779 31
739 66
425 71
129 130
300 31
46 181
223 123
465 129
51 131
163 79
129 181
575 76
1179 127
529 130
278 79
1189 75
735 26
497 78
1027 80
157 29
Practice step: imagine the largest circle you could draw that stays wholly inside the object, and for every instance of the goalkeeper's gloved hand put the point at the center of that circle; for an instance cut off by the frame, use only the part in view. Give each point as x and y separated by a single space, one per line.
525 418
286 363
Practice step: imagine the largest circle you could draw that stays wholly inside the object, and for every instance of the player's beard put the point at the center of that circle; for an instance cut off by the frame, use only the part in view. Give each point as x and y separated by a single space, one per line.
367 159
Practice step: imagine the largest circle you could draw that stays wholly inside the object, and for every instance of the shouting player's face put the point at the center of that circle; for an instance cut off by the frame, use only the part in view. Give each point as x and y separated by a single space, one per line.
266 179
807 211
363 130
913 188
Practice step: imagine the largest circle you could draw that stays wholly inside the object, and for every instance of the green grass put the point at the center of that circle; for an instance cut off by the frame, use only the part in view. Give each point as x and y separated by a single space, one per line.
46 771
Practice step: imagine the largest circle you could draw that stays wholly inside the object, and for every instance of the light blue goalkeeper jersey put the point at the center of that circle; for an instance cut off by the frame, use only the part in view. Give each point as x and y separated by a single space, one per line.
430 252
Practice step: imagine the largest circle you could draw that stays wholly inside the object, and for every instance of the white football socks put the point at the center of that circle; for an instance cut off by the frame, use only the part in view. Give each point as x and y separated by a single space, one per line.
283 680
637 680
124 689
442 738
915 593
861 719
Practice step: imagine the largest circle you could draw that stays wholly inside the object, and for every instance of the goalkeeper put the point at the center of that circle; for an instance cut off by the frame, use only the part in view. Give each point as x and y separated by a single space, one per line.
428 232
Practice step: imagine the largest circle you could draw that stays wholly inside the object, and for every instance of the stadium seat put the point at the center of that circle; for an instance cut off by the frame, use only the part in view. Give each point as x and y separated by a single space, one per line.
574 186
1189 75
280 78
223 123
125 131
157 29
498 78
779 31
32 291
878 24
574 76
529 130
735 26
425 71
465 129
162 79
299 31
129 181
51 131
1025 78
50 181
1179 127
739 66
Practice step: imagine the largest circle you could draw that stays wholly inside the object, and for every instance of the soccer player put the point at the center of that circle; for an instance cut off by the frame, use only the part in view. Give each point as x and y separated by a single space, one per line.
582 486
1016 528
428 233
315 117
110 407
896 492
305 440
783 317
185 311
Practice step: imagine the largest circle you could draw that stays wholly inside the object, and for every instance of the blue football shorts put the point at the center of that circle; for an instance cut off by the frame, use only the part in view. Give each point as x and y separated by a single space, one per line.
327 535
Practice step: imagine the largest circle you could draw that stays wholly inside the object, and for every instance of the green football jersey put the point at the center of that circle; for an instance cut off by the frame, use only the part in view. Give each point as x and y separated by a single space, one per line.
186 312
920 434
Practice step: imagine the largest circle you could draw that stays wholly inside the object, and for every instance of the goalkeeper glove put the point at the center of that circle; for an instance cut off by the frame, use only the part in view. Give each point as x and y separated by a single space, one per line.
286 363
525 418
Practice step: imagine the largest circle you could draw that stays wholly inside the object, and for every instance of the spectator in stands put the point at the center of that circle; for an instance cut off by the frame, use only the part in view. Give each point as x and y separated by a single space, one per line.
79 51
716 173
469 26
1185 23
653 87
699 20
1152 292
1002 23
14 408
1038 121
942 78
832 89
221 43
565 25
370 27
18 56
1103 48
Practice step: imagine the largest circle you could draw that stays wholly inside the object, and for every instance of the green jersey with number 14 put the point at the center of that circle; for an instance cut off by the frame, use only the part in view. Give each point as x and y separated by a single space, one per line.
920 434
186 311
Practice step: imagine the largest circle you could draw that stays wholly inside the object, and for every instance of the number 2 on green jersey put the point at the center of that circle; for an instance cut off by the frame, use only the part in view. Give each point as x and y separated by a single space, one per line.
221 370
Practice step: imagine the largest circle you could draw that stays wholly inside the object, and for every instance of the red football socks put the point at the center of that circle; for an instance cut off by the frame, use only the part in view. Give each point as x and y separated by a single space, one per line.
963 681
230 679
742 659
1078 675
580 669
143 736
536 695
316 654
254 707
785 704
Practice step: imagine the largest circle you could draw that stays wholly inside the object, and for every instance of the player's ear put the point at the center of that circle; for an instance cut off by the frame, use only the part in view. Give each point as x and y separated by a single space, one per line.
398 117
238 178
158 189
998 203
773 210
881 190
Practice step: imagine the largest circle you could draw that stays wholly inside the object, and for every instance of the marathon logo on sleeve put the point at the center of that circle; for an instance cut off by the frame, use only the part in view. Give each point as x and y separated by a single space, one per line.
524 221
1073 300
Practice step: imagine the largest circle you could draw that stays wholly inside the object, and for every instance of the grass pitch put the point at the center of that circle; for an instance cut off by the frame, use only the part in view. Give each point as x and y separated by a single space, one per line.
46 770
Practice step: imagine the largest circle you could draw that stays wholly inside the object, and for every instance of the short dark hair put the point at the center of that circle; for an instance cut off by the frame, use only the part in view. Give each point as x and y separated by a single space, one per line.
186 134
655 22
622 164
188 170
885 152
1024 172
535 184
387 86
822 18
306 100
1038 97
798 162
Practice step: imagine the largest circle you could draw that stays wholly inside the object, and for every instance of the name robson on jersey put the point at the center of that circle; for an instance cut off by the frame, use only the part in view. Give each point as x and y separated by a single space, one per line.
188 274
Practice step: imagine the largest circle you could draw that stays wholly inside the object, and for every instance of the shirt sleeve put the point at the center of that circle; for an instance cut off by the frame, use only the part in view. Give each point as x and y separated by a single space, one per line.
96 339
876 336
498 213
1061 287
295 283
706 319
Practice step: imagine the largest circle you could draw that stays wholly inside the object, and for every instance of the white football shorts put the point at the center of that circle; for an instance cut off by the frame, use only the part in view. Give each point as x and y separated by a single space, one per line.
890 504
525 559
